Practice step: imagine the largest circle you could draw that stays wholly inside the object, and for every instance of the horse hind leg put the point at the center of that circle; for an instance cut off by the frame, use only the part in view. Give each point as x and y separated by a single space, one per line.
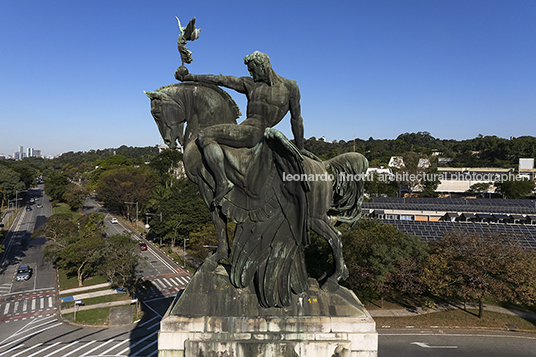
333 237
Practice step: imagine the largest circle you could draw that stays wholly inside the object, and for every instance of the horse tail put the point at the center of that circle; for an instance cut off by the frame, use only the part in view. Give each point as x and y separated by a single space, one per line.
349 172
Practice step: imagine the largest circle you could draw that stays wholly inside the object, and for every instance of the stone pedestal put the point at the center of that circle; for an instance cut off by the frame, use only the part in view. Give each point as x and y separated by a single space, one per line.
211 318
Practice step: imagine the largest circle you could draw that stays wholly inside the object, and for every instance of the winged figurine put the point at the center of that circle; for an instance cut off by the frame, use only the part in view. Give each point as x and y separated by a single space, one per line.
188 33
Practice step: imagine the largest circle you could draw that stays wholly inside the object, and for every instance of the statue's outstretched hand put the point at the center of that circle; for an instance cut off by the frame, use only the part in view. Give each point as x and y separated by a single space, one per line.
181 74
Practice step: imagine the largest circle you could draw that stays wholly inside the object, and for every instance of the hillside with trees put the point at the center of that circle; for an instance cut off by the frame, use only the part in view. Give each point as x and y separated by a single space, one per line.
482 151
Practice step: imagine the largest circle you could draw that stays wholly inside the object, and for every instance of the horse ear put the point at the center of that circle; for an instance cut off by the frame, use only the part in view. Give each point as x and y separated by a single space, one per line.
153 95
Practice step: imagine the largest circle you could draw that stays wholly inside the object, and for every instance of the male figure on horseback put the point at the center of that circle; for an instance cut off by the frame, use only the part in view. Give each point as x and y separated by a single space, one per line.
270 97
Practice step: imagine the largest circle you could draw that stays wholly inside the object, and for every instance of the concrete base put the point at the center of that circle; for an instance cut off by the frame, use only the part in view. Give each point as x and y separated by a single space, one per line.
212 318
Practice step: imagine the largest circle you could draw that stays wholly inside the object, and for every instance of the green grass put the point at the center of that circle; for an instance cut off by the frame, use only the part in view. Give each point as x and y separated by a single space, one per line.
72 282
63 208
90 317
99 300
180 261
508 305
98 316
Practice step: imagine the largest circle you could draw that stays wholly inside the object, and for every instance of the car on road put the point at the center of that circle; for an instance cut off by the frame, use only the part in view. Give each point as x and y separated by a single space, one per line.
28 208
24 272
143 246
114 221
39 205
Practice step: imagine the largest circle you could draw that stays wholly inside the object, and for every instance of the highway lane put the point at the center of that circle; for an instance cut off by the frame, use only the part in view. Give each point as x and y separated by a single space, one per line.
166 276
448 343
30 327
23 301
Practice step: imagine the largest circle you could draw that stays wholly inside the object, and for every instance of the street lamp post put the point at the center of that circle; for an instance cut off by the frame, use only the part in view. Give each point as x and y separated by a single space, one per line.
17 198
184 251
152 214
136 203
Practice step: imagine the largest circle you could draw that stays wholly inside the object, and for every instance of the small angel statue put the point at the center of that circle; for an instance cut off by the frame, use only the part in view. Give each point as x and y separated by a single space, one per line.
188 33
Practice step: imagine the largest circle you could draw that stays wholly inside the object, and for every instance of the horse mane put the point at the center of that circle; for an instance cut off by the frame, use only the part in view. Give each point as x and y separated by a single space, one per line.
230 101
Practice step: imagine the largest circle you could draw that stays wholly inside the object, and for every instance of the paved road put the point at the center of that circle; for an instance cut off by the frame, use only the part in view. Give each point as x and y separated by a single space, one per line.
455 343
166 276
29 326
36 296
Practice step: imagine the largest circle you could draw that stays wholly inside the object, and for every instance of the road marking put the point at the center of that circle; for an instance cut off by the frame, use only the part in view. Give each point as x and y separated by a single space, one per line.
146 322
79 348
26 350
15 307
24 305
144 348
64 347
96 348
11 349
159 284
6 310
129 348
33 304
423 333
50 301
167 282
112 348
44 349
425 345
42 303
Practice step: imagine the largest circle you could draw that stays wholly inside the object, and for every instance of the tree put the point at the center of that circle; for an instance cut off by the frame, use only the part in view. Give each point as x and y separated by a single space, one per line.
480 187
81 257
381 185
470 267
56 186
61 229
382 260
182 208
514 188
75 196
418 172
124 184
10 182
121 257
76 247
165 164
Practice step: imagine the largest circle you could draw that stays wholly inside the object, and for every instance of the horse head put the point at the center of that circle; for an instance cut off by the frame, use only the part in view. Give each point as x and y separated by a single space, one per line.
169 116
198 104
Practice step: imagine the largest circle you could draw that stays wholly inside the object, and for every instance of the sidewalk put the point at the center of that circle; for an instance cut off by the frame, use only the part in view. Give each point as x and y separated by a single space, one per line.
84 288
447 307
97 306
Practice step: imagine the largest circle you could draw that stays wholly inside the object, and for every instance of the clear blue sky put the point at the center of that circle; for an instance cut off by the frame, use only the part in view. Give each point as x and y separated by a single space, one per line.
72 73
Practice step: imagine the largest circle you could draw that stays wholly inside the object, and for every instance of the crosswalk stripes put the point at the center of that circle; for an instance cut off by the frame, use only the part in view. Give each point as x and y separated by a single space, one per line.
20 343
166 285
9 309
5 288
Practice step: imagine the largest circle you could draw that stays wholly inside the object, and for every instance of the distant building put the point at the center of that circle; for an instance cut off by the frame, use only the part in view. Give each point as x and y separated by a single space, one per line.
179 171
526 168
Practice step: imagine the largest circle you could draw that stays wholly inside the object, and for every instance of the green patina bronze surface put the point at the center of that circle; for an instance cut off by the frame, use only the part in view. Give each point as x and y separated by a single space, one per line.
241 171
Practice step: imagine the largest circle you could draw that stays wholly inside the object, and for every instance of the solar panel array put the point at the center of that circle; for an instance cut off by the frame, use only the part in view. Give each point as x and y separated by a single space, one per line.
453 205
429 231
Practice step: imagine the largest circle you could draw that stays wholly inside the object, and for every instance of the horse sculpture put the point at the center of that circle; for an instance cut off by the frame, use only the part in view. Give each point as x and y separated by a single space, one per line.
278 195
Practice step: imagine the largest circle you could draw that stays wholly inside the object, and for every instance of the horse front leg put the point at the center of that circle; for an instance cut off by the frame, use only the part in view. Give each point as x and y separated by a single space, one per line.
220 223
333 237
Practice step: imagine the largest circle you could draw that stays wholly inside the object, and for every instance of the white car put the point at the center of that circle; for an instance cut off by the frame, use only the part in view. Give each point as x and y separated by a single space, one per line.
114 220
